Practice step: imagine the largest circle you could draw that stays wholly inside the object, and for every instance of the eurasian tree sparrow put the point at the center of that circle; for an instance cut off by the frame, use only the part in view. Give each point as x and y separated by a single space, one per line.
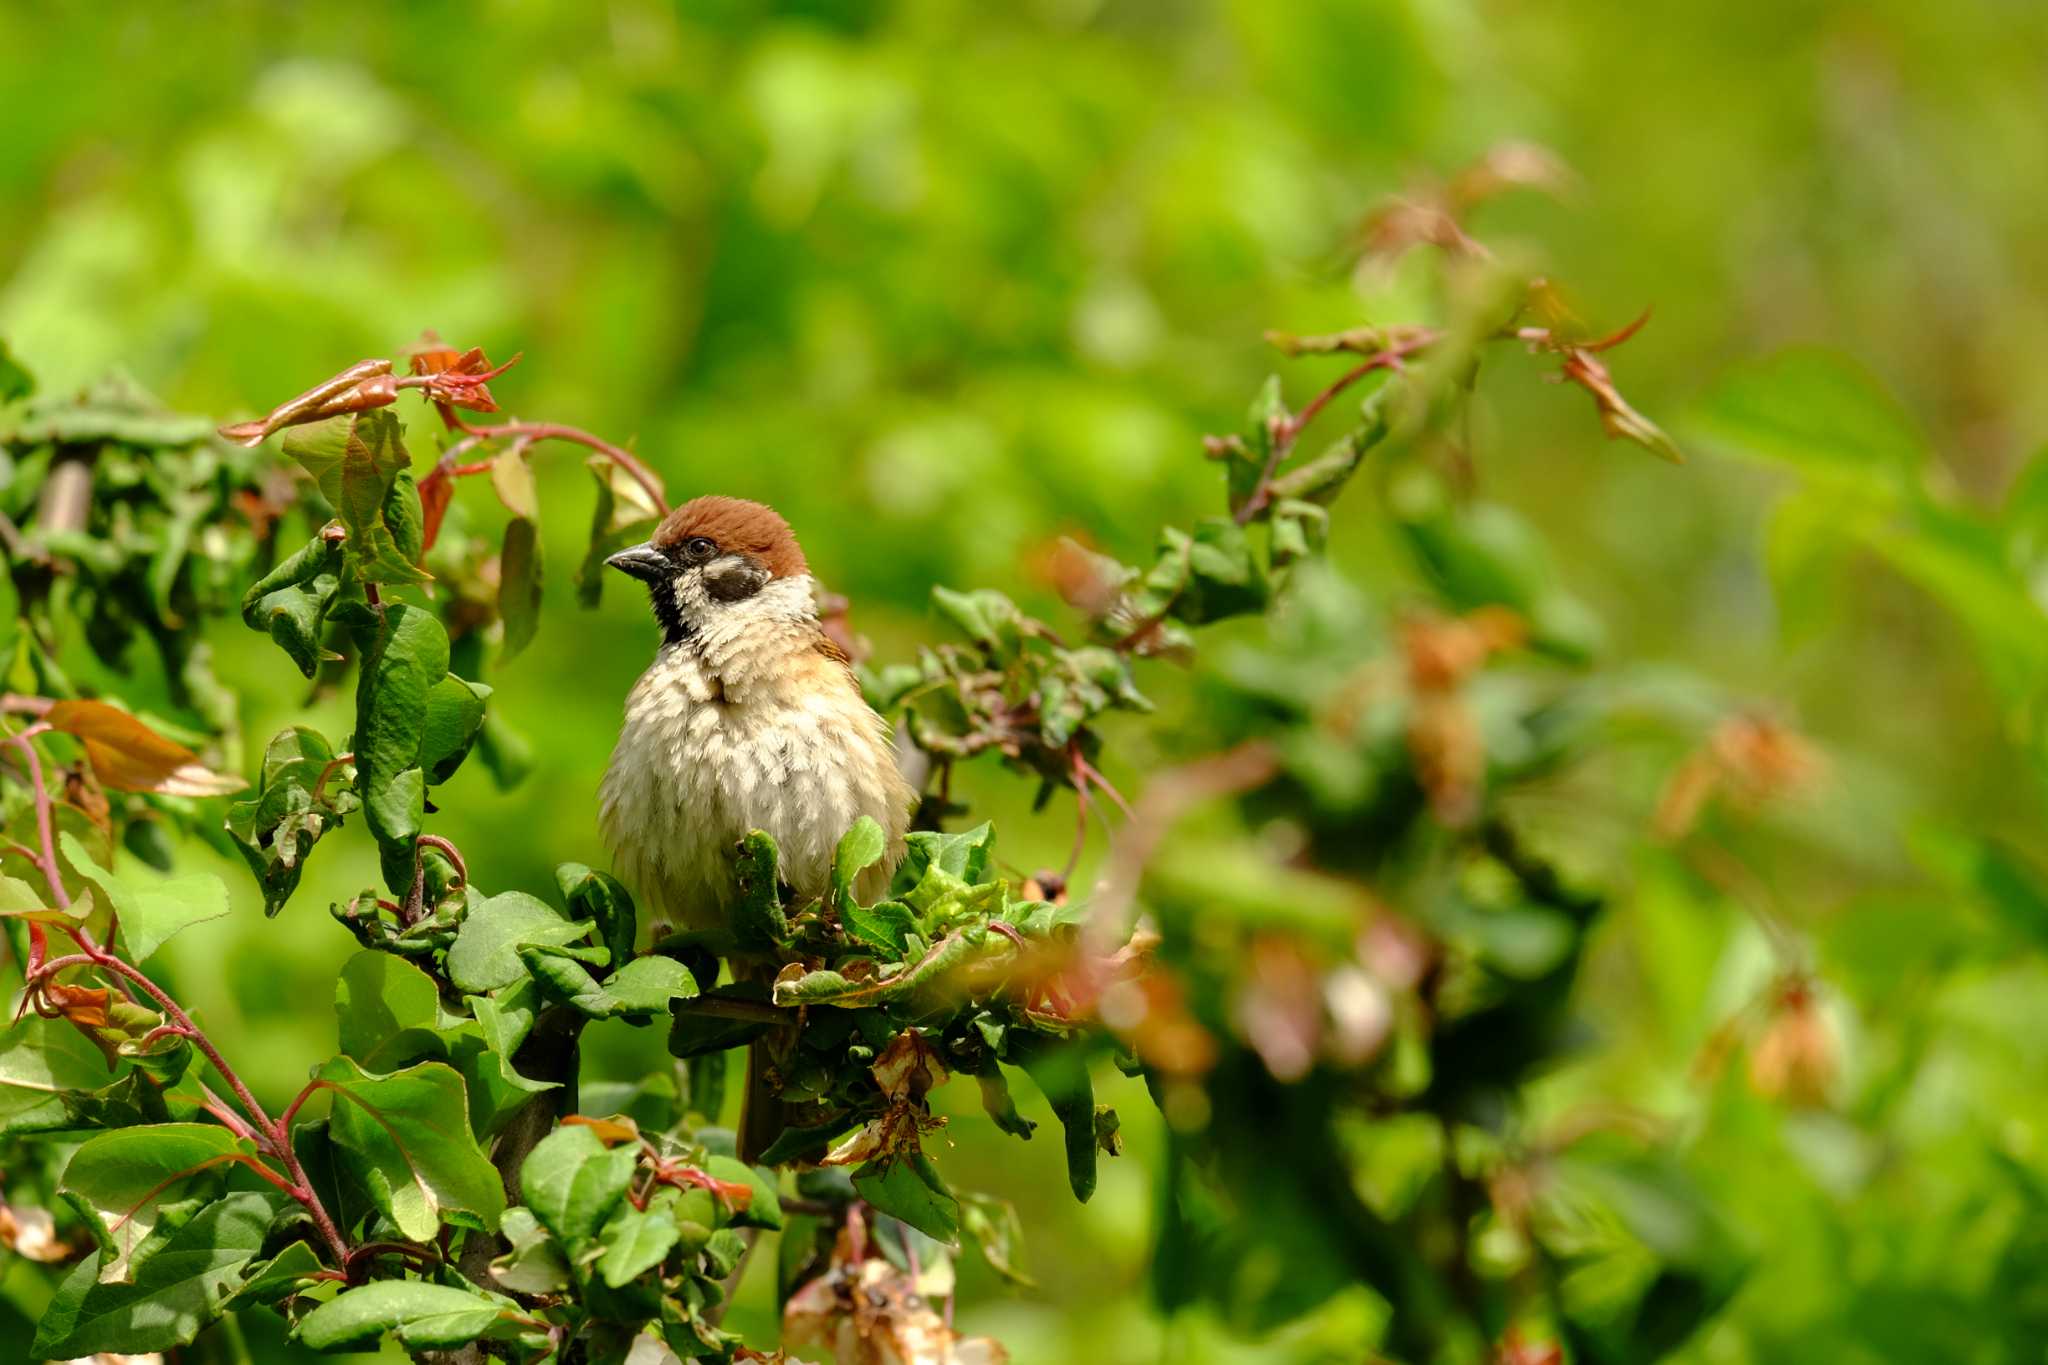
749 718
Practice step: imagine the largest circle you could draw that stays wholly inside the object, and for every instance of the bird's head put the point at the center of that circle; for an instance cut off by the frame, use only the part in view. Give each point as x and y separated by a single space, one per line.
717 557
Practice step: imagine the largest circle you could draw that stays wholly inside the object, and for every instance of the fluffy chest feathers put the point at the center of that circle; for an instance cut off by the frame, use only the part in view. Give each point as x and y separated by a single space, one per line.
746 725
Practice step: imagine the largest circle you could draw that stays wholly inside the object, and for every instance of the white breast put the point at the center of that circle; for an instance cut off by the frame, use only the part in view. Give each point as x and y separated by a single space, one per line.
741 731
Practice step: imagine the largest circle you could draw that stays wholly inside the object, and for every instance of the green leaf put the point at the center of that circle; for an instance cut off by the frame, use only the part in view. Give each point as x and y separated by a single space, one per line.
646 985
1698 1264
1061 1074
291 602
20 900
180 1289
828 987
598 897
1807 550
152 911
115 409
622 507
692 1035
757 919
302 794
407 1136
886 925
535 1264
512 480
272 1280
420 1315
332 1174
122 1180
49 1073
1223 579
635 1241
519 584
455 713
986 617
1816 412
15 380
406 519
722 1253
559 974
1959 562
485 954
1995 872
404 657
996 1099
764 1210
1484 553
860 848
642 987
387 1010
483 1052
995 1228
506 1016
909 1187
572 1182
356 459
965 854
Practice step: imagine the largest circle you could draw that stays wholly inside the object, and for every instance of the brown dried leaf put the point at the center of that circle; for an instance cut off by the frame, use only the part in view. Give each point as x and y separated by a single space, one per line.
31 1233
907 1071
1279 1010
610 1131
129 756
867 1312
1795 1060
908 1068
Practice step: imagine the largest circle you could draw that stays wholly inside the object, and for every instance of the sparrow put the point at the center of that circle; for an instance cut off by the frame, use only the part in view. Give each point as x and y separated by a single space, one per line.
749 718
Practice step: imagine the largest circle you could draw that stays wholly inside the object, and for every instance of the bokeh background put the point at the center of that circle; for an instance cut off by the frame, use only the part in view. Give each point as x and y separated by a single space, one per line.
880 263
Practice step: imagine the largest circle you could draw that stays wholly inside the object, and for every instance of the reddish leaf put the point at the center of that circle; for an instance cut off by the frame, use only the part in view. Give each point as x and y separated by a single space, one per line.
436 491
363 385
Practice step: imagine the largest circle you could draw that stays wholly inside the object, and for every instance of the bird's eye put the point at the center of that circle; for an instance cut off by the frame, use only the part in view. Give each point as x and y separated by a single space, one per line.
699 547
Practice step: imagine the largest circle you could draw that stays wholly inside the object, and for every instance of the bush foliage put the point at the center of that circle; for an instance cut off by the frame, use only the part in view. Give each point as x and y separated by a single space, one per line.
1403 829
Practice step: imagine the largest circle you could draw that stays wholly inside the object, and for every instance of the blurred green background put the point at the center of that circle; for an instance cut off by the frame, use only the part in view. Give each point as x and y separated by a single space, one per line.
868 261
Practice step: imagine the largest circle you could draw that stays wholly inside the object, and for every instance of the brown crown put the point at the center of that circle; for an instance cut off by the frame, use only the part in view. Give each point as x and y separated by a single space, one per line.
734 524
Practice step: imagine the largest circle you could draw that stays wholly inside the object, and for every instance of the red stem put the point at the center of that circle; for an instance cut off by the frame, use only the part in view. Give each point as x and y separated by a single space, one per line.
44 832
474 436
229 1119
104 960
447 850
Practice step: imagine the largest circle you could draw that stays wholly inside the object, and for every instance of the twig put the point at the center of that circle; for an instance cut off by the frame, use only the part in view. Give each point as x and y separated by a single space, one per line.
18 546
44 830
1285 432
1163 803
332 766
727 1007
474 436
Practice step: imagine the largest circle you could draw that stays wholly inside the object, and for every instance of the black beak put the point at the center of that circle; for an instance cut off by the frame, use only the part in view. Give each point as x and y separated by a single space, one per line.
643 562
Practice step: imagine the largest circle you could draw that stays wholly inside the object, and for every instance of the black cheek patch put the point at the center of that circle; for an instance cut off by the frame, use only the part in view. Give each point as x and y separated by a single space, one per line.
734 581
